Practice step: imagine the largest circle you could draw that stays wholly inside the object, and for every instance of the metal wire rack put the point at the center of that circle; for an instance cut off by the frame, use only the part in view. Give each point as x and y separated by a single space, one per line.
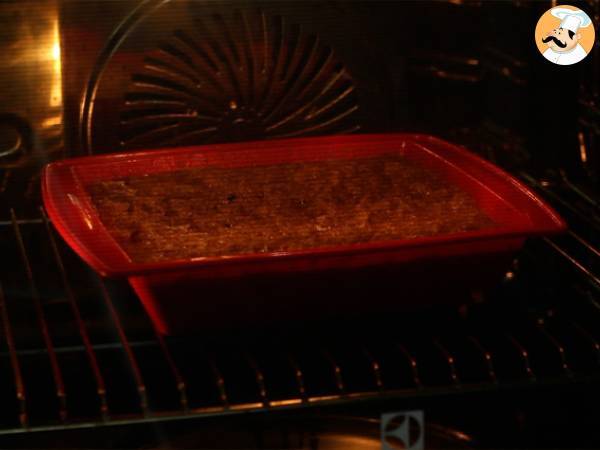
77 351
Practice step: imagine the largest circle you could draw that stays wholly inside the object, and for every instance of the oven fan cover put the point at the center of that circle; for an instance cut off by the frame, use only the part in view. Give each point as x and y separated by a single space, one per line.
185 73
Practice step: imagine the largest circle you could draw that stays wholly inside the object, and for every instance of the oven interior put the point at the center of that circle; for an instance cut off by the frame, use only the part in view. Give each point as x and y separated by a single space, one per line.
80 364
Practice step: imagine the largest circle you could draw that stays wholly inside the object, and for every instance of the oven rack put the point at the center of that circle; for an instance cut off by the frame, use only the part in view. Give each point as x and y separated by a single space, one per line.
77 351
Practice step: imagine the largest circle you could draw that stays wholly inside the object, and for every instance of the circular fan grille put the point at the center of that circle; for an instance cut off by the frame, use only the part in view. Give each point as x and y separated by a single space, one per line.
241 76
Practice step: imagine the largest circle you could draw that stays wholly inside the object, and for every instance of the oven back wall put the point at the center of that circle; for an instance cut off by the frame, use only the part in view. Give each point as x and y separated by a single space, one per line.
81 77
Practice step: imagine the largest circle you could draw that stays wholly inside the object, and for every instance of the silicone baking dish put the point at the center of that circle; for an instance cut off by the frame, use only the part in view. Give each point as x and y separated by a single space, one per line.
203 292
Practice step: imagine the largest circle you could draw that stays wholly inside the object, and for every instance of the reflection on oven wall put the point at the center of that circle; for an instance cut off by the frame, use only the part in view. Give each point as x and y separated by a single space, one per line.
492 92
474 76
31 113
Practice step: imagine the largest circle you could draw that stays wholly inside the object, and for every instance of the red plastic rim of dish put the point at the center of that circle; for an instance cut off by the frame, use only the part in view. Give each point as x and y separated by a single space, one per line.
515 209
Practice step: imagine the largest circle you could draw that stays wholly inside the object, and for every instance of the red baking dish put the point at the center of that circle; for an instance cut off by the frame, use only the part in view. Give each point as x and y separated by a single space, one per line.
196 293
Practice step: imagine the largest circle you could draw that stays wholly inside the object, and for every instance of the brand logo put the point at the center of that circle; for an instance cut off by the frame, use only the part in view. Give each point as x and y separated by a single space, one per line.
403 430
564 35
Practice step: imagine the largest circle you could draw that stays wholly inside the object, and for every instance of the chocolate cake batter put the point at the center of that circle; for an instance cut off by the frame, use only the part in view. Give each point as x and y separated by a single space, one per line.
277 208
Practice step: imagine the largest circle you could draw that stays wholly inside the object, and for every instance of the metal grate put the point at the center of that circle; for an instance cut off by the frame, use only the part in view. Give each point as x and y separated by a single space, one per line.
78 351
